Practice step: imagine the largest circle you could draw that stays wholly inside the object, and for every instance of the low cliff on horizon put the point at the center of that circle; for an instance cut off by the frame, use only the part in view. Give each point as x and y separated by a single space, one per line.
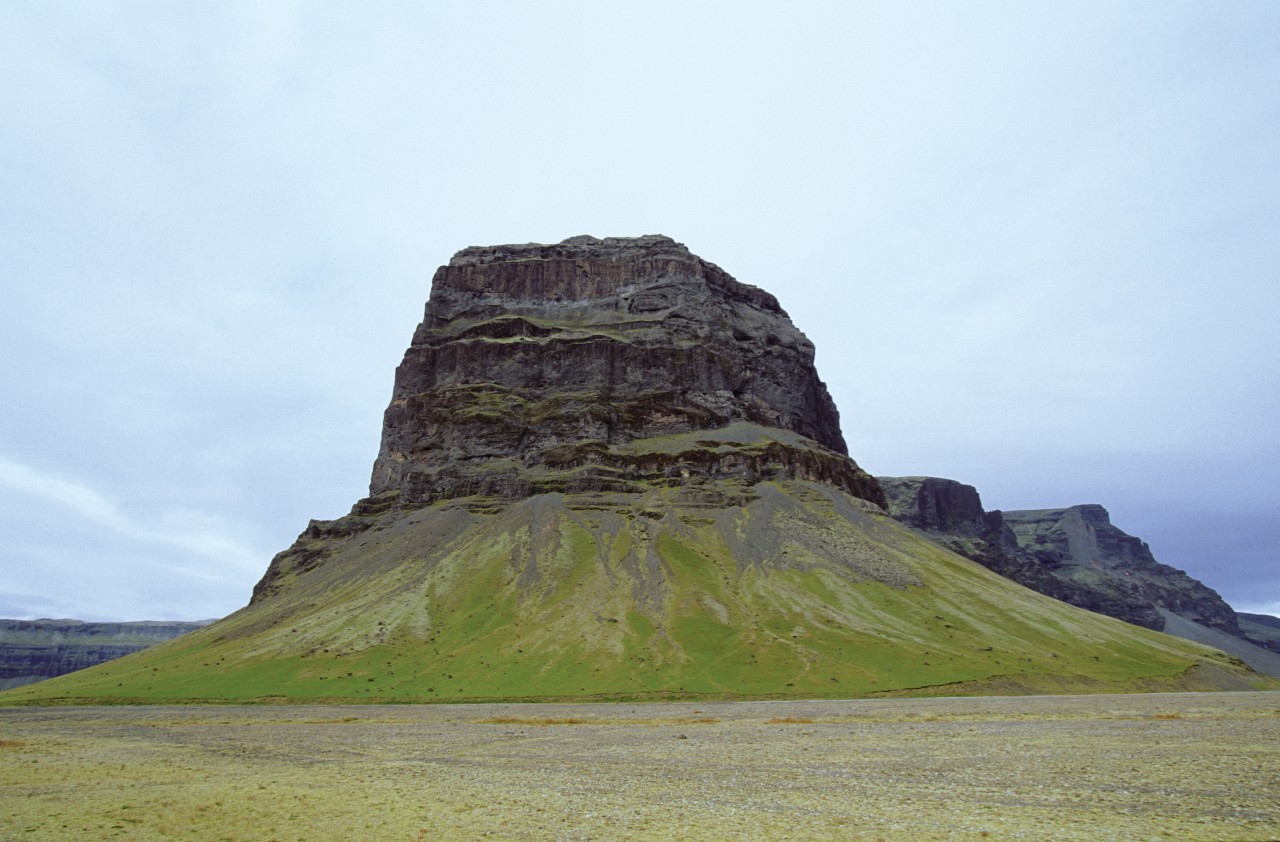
1077 555
34 650
1262 629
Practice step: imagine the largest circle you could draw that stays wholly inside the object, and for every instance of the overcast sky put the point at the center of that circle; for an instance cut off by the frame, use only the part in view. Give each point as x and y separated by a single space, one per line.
1036 245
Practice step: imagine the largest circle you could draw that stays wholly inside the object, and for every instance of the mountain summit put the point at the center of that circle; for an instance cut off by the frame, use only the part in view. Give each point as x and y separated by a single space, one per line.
537 368
609 470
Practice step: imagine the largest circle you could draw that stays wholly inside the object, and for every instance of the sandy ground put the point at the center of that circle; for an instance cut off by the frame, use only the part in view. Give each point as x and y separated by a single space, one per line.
1168 766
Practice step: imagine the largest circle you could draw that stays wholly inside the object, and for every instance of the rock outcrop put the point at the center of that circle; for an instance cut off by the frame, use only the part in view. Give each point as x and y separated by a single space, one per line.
33 650
951 512
1080 544
1074 554
536 366
1262 629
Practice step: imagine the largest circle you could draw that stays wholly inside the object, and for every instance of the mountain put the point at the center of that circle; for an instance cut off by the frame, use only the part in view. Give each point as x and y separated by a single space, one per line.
1077 555
1262 629
609 470
33 650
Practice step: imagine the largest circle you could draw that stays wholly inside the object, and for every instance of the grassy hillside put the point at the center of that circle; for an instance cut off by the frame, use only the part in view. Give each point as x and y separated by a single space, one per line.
800 591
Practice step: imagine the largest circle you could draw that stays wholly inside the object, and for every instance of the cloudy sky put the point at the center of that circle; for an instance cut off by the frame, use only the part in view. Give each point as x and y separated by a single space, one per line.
1035 244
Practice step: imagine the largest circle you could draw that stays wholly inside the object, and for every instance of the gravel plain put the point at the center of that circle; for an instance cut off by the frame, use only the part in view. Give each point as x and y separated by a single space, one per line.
1199 766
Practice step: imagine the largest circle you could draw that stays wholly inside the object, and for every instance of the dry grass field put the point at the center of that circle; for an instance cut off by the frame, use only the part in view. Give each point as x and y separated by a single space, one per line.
1168 766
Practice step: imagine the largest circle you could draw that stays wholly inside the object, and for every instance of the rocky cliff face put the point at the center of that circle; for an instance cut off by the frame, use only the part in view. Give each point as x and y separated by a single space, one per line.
33 650
536 366
1074 554
1080 544
1262 629
953 515
937 505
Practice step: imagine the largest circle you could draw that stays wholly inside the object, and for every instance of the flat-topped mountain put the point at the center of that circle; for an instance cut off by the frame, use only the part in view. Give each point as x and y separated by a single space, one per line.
611 365
608 470
538 367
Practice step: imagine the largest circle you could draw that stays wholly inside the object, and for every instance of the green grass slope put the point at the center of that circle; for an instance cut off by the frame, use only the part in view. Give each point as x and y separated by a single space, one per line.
798 591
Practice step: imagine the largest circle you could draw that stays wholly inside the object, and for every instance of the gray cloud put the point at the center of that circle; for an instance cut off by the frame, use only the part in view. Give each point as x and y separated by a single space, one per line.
189 533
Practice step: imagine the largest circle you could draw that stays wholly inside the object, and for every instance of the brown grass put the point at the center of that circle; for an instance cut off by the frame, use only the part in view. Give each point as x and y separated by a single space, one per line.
876 769
540 721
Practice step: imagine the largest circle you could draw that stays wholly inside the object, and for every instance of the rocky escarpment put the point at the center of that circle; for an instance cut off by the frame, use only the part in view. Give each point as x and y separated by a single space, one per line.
33 650
1074 554
611 365
1080 544
1262 629
537 367
952 513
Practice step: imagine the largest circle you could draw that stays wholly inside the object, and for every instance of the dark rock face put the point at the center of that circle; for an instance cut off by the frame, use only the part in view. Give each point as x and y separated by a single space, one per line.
536 365
1074 554
938 505
611 365
951 512
33 650
1262 629
1081 544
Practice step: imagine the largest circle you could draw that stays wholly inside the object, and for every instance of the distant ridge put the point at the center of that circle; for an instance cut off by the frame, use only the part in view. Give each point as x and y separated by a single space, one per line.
34 650
1077 555
1263 629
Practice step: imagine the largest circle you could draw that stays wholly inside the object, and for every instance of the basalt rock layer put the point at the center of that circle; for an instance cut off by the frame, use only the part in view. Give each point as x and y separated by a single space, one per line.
610 471
539 367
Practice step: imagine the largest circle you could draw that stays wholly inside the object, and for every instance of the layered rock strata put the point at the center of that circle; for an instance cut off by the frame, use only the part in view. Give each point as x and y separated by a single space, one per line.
571 367
33 650
1079 543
